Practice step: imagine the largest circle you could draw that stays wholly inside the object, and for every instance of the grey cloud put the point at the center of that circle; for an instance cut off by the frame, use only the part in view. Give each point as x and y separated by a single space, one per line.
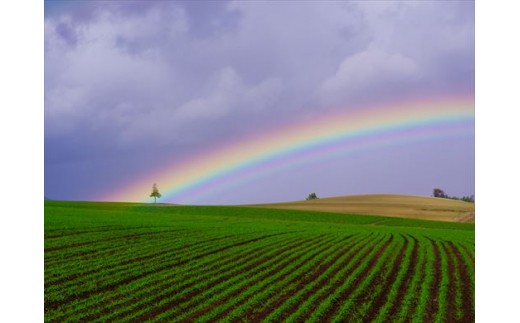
127 76
65 31
367 71
428 32
150 61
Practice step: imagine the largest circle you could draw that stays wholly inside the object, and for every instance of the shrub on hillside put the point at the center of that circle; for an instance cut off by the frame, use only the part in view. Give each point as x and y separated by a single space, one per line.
312 196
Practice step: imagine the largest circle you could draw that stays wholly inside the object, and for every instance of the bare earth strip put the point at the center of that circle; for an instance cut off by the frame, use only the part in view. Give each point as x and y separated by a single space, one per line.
310 309
281 268
249 313
115 303
155 311
97 252
302 282
405 283
55 304
257 315
387 283
154 295
469 254
467 291
416 293
336 303
127 237
107 229
451 301
432 307
127 262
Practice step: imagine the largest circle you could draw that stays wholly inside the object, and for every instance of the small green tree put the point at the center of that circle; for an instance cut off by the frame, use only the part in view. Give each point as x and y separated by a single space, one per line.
155 193
312 196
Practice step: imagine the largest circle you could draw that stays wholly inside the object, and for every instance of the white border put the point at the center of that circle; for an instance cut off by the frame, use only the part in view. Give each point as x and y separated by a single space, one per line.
497 161
21 168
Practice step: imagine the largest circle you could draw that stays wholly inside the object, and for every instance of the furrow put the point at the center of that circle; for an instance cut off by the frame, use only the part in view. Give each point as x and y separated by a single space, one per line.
122 237
105 229
116 262
300 282
450 288
93 253
324 289
198 295
186 278
404 288
337 302
71 264
387 282
432 305
412 298
469 254
466 289
50 305
267 280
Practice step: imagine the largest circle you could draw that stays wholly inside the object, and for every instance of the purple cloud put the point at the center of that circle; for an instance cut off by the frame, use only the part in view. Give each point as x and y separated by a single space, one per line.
156 80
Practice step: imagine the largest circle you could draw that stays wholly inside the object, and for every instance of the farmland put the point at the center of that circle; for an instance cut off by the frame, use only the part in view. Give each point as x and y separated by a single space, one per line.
137 262
393 205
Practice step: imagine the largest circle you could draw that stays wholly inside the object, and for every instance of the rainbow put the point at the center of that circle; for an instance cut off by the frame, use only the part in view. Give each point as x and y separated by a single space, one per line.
319 137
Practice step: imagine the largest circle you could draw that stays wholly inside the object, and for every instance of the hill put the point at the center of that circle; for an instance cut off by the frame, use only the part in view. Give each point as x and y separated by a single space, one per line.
111 262
405 206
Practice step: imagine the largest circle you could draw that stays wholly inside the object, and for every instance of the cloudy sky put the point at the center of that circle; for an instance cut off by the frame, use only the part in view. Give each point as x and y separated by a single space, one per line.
136 86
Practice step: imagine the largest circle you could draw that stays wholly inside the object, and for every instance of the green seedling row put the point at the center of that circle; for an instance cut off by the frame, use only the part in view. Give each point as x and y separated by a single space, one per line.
123 262
139 291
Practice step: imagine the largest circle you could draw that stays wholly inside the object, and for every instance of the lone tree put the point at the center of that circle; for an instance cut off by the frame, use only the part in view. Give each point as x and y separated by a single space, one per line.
155 193
312 196
437 192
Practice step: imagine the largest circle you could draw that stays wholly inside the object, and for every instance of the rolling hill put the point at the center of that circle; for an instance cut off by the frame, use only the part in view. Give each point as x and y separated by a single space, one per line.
405 206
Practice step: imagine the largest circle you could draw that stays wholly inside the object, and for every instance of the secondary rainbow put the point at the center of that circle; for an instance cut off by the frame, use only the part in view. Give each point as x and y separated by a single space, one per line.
316 137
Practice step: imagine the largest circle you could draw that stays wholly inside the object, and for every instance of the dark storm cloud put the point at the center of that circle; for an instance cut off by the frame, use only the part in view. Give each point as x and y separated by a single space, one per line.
161 79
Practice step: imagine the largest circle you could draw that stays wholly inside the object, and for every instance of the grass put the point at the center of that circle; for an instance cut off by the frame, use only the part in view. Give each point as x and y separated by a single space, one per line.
129 261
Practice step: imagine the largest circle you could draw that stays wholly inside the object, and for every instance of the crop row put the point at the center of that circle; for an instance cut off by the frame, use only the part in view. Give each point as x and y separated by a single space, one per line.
185 281
123 254
260 276
113 268
99 281
121 276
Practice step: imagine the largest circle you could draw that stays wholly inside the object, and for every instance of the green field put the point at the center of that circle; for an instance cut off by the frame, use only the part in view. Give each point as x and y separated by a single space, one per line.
137 262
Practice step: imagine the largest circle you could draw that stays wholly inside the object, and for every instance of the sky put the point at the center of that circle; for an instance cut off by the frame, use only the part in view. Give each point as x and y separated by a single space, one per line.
136 87
83 158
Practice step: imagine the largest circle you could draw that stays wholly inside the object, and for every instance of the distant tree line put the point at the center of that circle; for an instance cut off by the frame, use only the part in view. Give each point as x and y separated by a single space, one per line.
437 192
